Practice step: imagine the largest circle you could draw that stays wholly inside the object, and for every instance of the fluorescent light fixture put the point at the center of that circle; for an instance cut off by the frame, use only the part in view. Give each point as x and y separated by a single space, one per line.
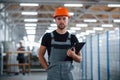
90 20
30 28
71 13
48 31
73 5
98 28
107 25
75 28
81 25
30 20
29 13
30 24
30 31
29 4
113 5
116 20
53 24
52 28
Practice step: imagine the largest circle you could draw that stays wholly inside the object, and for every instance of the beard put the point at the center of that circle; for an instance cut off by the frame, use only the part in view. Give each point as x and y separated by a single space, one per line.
61 26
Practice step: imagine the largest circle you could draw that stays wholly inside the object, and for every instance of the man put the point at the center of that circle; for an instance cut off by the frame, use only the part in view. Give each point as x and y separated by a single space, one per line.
58 44
21 57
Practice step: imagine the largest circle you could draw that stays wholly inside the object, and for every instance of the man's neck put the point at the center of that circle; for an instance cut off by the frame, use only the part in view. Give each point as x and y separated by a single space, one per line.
61 31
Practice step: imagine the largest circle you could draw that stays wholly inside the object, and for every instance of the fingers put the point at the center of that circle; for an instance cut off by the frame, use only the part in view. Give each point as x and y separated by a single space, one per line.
70 52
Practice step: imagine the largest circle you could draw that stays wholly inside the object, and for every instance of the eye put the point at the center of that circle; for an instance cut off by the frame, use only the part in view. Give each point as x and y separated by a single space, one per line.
58 18
64 18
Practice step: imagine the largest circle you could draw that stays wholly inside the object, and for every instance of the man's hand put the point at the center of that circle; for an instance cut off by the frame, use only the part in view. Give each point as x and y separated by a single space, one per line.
76 57
71 52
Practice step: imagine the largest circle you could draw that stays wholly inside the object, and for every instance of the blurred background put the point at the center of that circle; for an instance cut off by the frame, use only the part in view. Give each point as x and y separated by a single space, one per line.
96 22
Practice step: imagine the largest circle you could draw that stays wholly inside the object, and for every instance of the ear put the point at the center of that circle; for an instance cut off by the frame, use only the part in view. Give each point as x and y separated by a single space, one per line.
68 19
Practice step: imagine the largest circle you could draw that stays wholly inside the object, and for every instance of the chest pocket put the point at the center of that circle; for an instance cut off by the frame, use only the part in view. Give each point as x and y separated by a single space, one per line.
59 49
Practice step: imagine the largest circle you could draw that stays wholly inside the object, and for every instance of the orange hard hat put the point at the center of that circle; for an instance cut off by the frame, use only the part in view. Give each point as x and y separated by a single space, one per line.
61 11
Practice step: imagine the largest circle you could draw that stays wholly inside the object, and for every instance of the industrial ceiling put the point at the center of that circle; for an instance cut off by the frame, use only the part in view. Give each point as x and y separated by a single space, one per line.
91 9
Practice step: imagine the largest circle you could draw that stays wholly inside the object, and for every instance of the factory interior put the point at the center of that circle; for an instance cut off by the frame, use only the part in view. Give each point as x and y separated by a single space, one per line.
95 22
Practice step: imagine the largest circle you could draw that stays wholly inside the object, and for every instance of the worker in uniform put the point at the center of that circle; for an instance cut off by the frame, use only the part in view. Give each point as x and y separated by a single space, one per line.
58 45
21 56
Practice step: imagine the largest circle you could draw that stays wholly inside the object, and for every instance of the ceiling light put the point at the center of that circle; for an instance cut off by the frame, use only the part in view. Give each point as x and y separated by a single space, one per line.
52 28
73 5
53 24
90 20
75 28
30 24
29 4
71 13
48 31
30 20
107 25
81 25
29 13
116 20
113 5
30 31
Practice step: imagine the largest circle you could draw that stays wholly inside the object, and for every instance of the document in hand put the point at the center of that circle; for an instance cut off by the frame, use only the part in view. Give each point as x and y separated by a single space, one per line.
78 46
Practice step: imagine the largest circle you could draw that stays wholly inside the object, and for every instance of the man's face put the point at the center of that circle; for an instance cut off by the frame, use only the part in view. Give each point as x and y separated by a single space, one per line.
62 22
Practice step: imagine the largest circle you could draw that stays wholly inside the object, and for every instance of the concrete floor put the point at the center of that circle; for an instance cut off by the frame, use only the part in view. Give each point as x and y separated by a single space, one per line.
31 76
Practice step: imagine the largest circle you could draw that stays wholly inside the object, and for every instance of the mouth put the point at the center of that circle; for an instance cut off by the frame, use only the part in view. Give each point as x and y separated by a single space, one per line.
61 24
